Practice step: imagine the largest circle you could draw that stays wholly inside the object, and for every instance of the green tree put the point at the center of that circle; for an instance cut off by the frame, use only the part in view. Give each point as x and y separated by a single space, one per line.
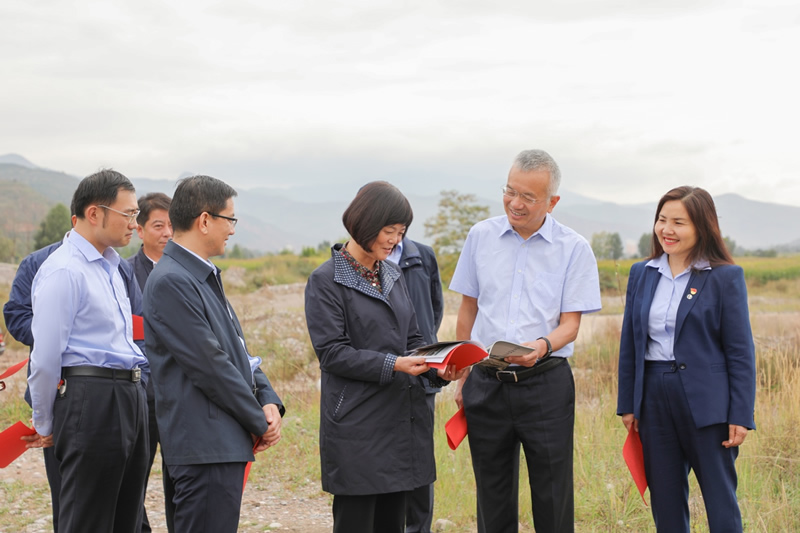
52 229
645 244
457 214
607 245
615 246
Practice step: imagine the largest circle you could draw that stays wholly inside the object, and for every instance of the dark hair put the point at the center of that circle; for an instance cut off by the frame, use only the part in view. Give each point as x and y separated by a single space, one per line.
378 204
703 214
149 203
100 188
196 195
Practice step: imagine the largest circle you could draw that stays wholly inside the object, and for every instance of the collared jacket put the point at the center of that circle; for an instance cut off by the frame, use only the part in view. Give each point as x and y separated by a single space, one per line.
206 404
376 431
713 346
421 271
142 266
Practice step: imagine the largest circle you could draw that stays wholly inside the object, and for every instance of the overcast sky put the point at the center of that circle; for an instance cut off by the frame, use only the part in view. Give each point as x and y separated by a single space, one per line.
632 97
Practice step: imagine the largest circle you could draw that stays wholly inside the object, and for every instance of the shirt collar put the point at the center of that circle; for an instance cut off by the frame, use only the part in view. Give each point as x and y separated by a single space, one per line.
546 231
662 264
88 250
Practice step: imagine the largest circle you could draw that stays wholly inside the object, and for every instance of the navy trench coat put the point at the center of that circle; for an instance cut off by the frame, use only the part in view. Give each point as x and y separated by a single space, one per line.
376 431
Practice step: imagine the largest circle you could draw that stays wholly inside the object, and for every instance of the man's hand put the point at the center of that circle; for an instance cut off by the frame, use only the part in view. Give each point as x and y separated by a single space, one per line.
628 419
411 365
539 349
736 436
273 434
38 441
459 397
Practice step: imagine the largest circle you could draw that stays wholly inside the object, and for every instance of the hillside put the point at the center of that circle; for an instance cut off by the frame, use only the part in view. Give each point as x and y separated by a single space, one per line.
272 220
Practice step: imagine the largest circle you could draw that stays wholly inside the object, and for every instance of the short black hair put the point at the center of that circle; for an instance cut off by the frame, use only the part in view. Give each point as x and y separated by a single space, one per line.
378 204
149 203
196 195
100 188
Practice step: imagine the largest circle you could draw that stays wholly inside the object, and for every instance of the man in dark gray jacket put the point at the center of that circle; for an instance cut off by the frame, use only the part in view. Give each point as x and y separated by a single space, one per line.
215 406
421 272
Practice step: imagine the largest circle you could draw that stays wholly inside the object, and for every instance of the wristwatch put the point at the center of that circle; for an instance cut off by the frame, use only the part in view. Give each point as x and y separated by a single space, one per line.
549 347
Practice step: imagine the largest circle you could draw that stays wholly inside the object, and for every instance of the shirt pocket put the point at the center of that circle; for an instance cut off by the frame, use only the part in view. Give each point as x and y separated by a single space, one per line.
545 291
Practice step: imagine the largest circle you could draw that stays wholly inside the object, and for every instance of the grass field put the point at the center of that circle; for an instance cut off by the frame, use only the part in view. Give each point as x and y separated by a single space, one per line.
606 499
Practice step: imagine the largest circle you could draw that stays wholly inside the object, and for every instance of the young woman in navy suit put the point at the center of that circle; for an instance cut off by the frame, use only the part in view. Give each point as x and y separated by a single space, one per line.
687 363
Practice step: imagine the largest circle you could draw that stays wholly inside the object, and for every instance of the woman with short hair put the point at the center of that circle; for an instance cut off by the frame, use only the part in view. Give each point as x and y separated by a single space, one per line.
376 431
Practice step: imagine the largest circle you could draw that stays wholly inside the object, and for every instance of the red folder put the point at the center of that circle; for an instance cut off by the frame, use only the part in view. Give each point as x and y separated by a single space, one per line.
11 445
634 458
10 371
138 328
456 429
461 356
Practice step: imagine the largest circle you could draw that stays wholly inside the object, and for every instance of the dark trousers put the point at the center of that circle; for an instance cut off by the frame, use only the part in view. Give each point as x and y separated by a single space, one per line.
373 513
208 497
419 503
169 507
538 413
51 468
672 445
100 439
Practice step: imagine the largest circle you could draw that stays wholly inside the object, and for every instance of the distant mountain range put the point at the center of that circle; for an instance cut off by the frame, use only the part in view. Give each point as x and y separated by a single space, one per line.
295 216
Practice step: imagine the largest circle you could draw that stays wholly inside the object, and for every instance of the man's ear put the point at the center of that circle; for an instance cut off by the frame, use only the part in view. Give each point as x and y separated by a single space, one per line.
553 201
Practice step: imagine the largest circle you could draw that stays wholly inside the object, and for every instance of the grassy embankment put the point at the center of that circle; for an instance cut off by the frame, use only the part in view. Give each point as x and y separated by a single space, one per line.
606 499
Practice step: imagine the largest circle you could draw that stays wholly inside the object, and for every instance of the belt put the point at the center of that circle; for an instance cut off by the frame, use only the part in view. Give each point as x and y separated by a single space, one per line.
515 376
134 375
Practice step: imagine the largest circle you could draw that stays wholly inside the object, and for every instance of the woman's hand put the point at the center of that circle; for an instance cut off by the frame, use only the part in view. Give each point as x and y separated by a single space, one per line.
628 419
736 435
411 365
449 373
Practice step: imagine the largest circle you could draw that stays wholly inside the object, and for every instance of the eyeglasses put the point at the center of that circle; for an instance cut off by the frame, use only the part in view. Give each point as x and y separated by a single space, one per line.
232 220
130 216
525 197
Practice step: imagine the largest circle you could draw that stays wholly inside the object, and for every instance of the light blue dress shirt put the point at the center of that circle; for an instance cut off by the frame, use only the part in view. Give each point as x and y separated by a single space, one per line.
664 308
523 285
81 316
396 254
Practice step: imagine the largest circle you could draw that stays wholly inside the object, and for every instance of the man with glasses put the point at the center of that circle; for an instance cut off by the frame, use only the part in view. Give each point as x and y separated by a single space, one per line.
215 406
524 278
155 230
88 377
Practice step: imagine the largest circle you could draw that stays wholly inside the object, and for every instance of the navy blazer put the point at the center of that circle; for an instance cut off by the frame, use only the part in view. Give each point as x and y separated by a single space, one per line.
205 403
714 350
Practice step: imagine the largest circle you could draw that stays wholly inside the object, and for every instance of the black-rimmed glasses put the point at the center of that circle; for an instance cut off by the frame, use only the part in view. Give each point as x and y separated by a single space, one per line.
232 220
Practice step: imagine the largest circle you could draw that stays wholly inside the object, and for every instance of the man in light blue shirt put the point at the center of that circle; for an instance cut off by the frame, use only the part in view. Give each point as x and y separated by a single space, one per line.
524 278
87 374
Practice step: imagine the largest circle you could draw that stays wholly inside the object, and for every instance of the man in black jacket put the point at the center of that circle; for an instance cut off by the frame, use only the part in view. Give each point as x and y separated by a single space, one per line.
155 230
421 272
215 406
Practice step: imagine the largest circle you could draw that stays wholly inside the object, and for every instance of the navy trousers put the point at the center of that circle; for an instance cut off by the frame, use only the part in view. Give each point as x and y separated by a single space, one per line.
419 503
672 446
208 497
372 513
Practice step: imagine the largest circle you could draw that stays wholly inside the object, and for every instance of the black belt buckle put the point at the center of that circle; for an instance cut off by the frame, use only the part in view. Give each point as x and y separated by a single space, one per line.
136 374
510 373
